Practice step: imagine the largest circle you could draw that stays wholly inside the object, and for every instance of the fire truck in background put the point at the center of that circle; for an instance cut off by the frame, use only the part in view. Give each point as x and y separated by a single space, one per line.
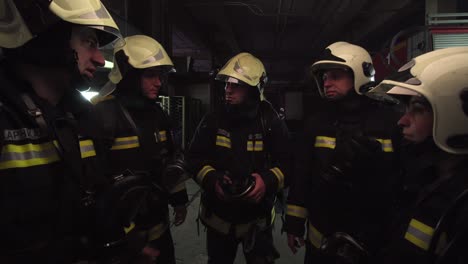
442 30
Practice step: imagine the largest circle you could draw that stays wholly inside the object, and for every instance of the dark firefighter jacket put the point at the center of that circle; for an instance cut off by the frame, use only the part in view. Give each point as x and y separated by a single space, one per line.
147 147
224 145
431 188
356 200
46 164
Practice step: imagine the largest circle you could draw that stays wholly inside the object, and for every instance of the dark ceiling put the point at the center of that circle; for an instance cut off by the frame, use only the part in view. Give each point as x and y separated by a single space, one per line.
287 35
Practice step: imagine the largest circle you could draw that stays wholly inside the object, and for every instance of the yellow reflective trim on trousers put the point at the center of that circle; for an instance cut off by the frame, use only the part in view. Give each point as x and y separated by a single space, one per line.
297 211
162 136
87 149
419 234
387 145
202 173
325 142
315 237
179 187
279 175
28 155
125 143
223 141
224 227
157 231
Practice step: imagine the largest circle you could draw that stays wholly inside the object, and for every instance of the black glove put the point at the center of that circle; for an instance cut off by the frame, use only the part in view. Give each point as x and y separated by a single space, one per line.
351 153
344 249
174 173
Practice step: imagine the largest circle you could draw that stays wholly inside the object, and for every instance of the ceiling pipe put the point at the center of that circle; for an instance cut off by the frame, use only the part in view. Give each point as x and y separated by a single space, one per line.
254 9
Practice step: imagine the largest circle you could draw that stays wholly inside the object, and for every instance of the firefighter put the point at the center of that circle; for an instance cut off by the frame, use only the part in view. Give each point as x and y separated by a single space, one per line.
138 137
46 160
431 224
342 183
239 157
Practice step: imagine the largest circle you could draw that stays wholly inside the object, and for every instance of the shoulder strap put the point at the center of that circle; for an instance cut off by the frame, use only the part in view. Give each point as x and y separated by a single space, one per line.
267 114
35 112
129 119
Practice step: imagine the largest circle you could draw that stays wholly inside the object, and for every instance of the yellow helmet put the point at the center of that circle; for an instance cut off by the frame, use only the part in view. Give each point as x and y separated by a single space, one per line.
440 76
17 29
345 55
244 68
141 52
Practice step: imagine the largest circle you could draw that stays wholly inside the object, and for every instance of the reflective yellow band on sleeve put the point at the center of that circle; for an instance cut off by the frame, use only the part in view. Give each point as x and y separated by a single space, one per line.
387 145
202 173
125 143
315 237
162 136
87 149
273 215
130 228
325 142
157 231
27 155
280 176
223 141
179 187
297 211
419 234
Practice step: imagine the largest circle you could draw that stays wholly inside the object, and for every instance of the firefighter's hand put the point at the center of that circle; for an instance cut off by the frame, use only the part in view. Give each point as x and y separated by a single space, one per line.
295 242
219 190
180 213
149 255
258 192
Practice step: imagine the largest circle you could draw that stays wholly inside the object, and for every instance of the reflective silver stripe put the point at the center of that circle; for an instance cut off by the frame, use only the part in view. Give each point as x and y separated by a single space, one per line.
223 141
297 211
419 234
159 56
325 142
202 173
125 143
27 155
87 149
315 237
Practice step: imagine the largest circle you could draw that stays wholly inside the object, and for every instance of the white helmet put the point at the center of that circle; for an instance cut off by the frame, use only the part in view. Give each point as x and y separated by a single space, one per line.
348 56
440 76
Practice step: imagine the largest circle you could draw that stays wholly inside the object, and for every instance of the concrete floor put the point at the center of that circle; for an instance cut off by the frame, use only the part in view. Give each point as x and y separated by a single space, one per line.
191 247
